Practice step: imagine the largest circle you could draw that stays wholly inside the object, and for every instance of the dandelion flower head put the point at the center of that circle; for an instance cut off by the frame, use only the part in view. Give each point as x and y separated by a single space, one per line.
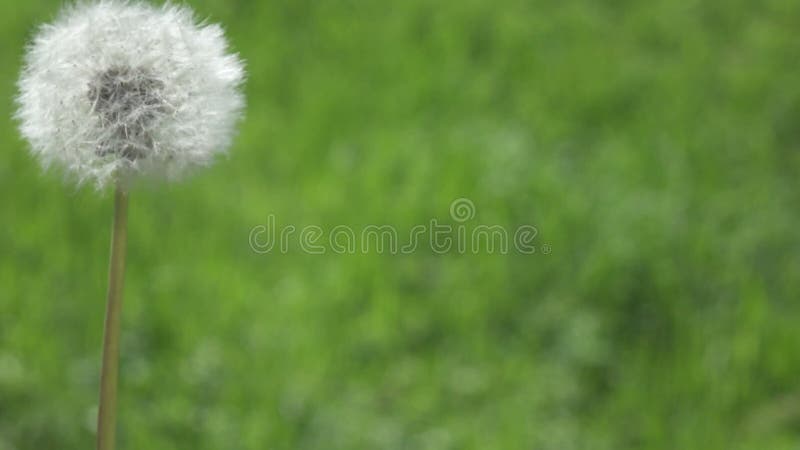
113 89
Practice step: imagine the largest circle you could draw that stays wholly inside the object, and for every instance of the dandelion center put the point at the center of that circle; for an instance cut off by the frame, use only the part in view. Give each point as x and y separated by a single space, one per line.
127 100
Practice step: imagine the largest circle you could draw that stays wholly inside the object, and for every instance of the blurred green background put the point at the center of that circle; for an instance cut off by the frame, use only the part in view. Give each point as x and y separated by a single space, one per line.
653 144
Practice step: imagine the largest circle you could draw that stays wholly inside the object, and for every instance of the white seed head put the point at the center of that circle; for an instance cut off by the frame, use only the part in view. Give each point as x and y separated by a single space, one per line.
113 89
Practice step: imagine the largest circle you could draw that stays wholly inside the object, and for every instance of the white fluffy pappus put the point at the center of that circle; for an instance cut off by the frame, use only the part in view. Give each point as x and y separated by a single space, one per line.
113 89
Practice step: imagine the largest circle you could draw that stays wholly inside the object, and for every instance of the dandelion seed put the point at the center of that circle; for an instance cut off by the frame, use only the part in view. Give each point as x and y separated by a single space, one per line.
116 89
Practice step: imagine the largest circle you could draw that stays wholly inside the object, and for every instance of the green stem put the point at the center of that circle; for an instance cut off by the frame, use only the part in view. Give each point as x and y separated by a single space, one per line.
107 411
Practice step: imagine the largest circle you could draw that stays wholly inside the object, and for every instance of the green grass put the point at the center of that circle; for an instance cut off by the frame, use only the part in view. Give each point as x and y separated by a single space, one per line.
655 145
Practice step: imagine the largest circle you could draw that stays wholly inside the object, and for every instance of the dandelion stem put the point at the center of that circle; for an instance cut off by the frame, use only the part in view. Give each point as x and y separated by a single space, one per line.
107 411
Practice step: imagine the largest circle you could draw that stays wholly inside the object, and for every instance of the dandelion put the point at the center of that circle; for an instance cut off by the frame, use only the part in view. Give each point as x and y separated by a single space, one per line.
115 90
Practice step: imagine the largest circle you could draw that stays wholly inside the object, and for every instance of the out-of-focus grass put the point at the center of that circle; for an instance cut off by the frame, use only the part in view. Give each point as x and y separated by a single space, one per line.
655 145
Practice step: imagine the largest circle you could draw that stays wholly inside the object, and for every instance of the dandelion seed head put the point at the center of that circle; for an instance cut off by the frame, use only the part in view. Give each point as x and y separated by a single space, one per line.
114 89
